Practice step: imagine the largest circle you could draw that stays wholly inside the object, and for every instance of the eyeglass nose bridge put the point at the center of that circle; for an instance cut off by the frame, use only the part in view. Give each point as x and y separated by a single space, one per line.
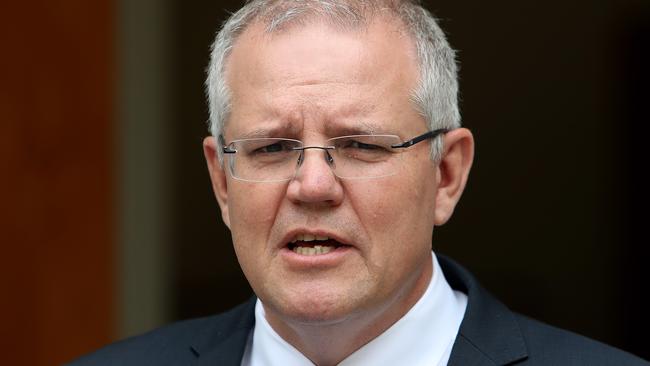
328 156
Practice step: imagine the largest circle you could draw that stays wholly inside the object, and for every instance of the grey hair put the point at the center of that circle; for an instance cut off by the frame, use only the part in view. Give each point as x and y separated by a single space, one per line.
435 97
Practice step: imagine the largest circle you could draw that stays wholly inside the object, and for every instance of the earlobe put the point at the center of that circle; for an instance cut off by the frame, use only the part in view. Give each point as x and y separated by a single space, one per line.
217 176
453 171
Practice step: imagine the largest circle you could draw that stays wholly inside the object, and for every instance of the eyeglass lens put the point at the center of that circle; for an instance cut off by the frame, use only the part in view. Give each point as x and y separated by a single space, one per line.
277 159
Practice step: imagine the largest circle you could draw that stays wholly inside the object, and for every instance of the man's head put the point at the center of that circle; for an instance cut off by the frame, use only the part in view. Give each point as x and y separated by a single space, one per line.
435 94
315 70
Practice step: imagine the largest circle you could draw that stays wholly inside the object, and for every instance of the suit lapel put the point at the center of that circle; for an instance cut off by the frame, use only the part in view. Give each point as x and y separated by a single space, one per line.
489 333
465 353
226 353
223 342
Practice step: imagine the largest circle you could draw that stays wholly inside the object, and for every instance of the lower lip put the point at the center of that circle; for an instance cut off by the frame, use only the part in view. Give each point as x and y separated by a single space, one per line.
330 259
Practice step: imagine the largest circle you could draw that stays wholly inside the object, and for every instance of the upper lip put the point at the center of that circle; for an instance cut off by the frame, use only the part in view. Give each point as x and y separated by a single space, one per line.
291 235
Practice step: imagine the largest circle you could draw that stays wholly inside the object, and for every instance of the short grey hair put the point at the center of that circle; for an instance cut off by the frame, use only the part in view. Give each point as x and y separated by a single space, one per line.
435 97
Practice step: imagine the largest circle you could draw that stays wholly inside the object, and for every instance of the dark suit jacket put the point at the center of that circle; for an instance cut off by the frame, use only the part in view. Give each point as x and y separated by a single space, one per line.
490 334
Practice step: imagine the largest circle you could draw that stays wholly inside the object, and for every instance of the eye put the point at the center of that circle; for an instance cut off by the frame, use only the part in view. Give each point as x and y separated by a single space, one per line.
272 148
367 149
363 146
356 144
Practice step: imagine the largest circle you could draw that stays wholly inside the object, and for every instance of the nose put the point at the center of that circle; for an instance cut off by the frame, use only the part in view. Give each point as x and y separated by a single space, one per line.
315 181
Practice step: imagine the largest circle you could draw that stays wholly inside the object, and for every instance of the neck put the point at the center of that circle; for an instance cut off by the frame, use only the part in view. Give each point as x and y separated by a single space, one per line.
330 343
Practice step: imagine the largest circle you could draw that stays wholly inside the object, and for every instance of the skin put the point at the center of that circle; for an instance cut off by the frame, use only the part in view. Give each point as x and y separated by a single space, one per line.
312 82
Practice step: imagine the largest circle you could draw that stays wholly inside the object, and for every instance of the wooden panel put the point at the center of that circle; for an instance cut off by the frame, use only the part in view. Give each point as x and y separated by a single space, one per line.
56 182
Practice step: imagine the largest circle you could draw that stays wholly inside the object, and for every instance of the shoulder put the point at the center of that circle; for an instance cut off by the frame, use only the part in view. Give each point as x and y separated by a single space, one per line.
166 343
491 333
175 344
548 345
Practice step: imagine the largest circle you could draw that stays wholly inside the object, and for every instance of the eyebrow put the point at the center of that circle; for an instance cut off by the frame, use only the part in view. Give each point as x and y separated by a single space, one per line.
359 128
280 130
332 130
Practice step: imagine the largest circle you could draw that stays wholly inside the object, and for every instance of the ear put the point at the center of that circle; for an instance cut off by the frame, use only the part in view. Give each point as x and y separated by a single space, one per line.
453 170
217 176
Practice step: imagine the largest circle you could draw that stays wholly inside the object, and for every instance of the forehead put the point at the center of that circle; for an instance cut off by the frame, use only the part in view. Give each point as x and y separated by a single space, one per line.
314 72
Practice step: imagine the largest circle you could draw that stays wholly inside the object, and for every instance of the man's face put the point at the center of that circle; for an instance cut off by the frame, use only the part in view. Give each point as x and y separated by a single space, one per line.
313 83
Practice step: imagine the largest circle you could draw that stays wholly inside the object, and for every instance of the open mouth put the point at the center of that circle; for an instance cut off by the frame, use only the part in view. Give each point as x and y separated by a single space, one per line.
306 244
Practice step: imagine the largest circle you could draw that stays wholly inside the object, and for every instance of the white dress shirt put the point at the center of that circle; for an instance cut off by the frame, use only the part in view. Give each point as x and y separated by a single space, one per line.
423 336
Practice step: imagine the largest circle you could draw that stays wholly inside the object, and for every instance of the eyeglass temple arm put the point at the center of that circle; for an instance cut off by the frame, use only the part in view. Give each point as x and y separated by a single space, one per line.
424 136
225 149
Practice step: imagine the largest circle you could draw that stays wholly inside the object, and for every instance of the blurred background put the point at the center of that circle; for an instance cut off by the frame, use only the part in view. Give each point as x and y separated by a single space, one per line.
109 228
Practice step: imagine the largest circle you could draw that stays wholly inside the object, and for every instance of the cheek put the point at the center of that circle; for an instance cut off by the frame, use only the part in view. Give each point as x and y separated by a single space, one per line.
397 204
419 184
252 212
397 212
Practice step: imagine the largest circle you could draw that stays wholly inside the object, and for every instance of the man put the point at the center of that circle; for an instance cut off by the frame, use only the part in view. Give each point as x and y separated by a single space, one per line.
336 149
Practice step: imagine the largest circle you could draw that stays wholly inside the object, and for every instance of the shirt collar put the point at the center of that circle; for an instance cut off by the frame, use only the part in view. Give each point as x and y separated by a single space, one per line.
423 336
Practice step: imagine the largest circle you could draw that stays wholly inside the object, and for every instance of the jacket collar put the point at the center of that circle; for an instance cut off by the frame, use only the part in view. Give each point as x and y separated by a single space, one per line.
223 340
489 333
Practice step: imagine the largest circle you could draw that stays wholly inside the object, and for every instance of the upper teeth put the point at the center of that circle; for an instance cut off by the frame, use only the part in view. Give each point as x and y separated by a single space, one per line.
308 237
316 250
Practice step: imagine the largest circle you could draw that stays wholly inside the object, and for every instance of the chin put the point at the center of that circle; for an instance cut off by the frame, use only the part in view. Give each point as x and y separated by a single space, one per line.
315 308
